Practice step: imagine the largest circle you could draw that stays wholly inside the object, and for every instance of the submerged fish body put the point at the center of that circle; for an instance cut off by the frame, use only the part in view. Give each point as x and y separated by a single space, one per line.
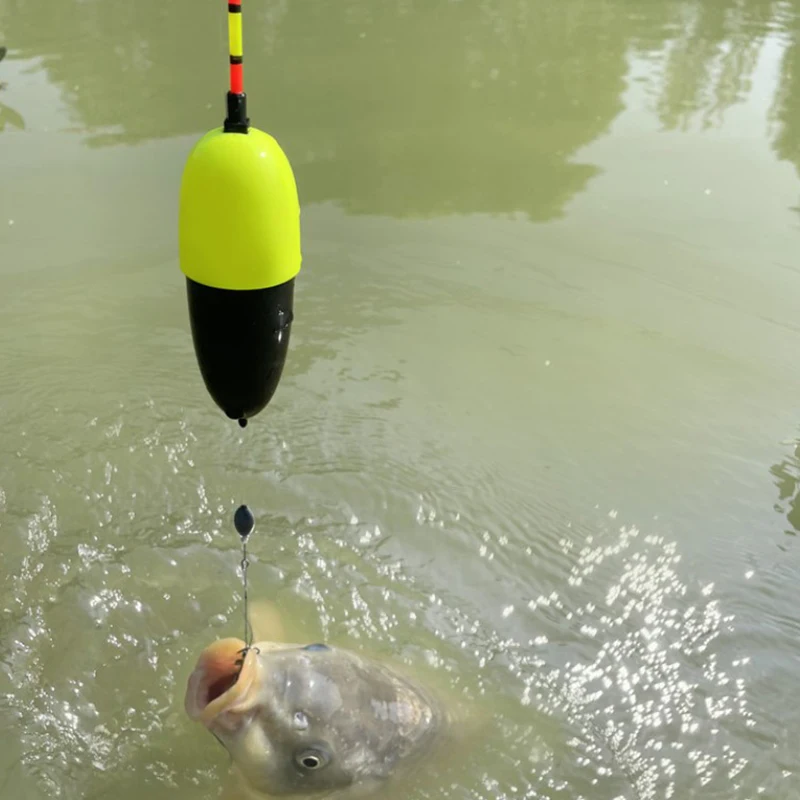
311 720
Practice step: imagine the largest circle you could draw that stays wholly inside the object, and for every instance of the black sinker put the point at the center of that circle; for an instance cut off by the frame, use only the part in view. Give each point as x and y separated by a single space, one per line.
244 521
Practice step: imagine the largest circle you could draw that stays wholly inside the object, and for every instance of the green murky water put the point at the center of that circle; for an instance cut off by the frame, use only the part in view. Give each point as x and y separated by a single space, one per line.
539 424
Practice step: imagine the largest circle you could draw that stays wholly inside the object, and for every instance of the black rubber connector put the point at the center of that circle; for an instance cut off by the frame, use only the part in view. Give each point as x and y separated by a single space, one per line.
237 120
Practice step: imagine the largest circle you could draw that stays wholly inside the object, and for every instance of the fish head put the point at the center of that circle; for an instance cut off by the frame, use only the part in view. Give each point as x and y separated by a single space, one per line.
307 719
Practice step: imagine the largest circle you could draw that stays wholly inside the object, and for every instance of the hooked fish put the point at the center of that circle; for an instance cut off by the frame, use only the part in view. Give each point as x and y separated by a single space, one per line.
311 719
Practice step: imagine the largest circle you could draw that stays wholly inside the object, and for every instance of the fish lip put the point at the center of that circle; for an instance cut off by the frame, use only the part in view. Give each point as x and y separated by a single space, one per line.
220 660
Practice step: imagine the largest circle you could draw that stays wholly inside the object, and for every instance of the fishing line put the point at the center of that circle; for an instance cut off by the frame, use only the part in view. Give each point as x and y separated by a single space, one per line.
244 523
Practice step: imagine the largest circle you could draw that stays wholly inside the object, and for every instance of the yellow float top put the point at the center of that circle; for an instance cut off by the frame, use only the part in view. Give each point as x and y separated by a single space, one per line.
239 214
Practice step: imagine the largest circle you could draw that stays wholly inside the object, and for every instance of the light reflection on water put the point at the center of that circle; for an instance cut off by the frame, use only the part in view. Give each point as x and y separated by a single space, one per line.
610 679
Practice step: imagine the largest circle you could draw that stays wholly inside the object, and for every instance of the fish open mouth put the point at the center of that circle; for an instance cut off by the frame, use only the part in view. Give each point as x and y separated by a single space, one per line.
221 680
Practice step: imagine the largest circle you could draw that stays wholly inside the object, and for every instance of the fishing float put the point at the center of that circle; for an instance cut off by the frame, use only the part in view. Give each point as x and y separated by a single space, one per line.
239 250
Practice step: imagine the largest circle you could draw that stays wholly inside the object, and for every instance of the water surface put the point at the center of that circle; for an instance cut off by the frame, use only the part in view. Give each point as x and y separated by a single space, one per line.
539 425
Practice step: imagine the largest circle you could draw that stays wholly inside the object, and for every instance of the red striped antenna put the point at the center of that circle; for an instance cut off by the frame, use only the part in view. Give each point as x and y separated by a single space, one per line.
236 121
235 49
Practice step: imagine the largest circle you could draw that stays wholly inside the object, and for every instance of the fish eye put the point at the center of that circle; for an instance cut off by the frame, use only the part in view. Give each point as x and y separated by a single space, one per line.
311 759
